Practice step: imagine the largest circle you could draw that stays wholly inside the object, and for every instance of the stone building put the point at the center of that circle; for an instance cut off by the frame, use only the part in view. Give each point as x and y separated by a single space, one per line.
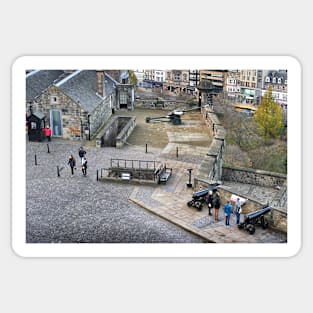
277 80
76 103
216 77
176 81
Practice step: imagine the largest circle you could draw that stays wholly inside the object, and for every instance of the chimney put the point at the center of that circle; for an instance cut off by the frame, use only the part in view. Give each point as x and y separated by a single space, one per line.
100 82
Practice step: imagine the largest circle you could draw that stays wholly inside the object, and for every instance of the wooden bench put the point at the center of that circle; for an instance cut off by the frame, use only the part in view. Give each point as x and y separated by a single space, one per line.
164 175
126 176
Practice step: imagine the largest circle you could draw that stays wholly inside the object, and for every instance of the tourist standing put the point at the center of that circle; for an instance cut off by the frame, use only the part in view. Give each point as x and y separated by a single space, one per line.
216 204
72 163
228 210
238 210
210 201
48 132
84 166
81 152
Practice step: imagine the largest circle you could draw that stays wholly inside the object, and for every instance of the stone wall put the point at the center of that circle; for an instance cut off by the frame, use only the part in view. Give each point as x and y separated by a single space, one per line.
210 170
125 131
254 177
116 132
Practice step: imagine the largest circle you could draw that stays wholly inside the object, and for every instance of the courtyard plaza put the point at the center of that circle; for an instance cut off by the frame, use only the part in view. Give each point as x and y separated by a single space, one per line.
79 209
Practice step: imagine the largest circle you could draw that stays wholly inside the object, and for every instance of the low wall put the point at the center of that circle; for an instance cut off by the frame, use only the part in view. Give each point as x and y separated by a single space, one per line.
253 177
125 132
211 167
116 132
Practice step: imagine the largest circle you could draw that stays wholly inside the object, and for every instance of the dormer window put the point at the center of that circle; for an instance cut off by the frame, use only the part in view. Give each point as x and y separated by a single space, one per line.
279 81
285 81
267 79
274 80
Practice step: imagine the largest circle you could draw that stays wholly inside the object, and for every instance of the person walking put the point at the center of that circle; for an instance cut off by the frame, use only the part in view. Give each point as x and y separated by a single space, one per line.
210 201
228 210
238 210
48 132
84 166
216 204
72 163
81 152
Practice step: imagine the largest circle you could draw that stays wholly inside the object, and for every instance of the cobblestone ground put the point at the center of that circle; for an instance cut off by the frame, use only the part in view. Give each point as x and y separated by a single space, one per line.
80 209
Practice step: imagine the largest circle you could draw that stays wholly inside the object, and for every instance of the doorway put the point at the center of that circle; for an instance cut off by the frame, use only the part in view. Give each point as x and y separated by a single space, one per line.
56 123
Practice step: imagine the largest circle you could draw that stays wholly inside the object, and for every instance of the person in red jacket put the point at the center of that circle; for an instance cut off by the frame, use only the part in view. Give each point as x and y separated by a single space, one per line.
48 132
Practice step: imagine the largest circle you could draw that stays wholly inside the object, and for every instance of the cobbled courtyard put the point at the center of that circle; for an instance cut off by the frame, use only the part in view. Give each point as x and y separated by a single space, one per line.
81 209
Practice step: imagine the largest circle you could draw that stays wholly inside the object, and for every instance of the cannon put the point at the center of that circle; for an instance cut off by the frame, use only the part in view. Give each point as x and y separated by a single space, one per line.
254 218
173 117
199 197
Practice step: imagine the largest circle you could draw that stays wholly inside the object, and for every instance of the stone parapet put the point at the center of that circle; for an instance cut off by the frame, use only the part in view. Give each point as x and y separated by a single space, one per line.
254 177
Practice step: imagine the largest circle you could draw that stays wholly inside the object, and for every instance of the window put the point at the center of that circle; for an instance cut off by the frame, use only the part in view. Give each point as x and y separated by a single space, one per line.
54 99
267 79
279 81
123 97
274 80
286 82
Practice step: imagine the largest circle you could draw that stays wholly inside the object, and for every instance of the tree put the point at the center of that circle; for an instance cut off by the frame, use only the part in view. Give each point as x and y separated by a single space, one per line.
132 78
269 117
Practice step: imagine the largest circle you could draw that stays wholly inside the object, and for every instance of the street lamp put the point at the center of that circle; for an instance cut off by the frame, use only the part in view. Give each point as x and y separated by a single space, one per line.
88 126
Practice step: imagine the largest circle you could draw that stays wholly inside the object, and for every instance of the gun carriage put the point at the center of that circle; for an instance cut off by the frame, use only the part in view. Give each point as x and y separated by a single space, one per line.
173 117
255 218
199 197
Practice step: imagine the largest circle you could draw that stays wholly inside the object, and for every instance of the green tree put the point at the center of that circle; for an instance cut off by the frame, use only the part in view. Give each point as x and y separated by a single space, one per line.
132 78
269 117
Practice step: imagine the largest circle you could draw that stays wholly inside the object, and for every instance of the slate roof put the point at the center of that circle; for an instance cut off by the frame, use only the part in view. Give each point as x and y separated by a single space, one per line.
38 81
277 74
81 86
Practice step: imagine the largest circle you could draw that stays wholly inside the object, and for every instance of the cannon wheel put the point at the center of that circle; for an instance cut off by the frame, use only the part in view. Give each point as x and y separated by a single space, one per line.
240 225
190 203
251 229
198 205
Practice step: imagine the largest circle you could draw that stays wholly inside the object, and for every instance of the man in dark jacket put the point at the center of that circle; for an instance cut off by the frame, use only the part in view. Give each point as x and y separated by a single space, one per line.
210 201
216 204
72 163
81 153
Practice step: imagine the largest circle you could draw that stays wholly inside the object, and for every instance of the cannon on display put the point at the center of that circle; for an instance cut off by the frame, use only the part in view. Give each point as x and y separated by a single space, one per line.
255 218
173 117
199 197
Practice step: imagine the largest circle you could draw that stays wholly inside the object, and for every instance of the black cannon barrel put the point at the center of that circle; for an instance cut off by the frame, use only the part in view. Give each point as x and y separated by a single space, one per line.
203 192
258 213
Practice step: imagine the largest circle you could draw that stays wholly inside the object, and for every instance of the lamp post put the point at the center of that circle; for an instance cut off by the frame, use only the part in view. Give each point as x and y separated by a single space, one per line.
189 184
88 126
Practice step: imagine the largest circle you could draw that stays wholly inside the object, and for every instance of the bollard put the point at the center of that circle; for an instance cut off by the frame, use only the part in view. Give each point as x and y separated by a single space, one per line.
146 148
176 152
189 184
35 159
48 148
58 171
97 175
